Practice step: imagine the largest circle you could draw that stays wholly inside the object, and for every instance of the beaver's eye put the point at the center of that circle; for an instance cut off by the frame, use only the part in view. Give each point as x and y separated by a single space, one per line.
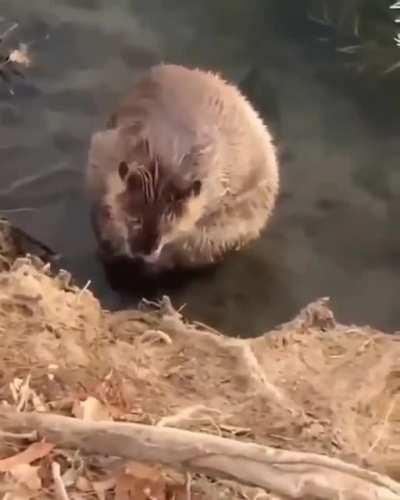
185 193
123 169
196 187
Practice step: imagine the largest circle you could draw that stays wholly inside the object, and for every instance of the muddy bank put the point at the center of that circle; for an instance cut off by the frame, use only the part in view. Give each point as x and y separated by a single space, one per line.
310 385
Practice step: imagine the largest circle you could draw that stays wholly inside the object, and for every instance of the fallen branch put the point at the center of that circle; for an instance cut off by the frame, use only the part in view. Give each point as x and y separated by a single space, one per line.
288 473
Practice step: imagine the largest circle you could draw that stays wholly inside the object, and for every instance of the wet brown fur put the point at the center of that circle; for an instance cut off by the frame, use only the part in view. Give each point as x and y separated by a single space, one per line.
196 128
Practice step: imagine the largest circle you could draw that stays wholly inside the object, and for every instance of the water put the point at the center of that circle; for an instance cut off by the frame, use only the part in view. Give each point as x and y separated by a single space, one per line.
334 232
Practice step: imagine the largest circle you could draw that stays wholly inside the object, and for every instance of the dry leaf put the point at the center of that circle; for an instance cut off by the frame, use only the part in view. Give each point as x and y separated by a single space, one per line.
141 482
37 402
20 56
91 409
30 454
101 487
70 476
23 394
27 475
83 484
74 467
126 489
19 494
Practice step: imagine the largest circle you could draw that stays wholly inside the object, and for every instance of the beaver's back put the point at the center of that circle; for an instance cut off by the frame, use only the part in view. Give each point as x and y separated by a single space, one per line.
175 107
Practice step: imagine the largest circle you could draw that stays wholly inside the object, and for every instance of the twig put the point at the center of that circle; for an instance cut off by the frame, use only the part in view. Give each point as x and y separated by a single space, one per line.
153 336
16 210
59 487
8 31
28 436
383 427
188 486
24 394
186 414
82 291
206 327
287 473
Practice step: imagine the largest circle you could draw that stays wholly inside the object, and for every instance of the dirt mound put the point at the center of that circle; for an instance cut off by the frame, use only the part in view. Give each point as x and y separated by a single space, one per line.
310 385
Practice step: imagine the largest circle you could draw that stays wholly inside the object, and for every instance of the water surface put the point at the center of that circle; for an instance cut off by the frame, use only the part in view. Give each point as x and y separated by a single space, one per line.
334 232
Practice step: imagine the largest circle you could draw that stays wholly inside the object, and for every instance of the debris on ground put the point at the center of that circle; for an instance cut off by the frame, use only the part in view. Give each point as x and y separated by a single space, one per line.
312 385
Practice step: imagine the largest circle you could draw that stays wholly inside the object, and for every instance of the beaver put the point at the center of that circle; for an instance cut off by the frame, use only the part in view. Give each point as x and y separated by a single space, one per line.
184 172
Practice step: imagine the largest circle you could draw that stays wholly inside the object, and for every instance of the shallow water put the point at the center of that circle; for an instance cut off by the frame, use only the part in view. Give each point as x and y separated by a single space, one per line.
334 232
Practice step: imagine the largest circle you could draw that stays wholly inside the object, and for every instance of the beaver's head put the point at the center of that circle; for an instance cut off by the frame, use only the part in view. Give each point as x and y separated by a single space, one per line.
146 206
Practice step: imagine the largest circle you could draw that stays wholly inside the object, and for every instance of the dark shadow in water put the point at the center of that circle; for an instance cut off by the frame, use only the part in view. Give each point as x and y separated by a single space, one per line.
131 279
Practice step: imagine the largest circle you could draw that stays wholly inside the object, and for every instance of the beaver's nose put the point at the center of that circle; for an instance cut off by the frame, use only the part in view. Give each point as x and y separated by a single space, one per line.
150 244
106 249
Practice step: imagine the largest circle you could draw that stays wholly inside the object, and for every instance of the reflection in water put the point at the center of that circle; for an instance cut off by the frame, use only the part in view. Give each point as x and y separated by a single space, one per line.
333 230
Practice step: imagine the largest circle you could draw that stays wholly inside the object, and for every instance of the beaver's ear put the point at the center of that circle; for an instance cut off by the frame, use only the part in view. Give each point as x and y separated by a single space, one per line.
123 170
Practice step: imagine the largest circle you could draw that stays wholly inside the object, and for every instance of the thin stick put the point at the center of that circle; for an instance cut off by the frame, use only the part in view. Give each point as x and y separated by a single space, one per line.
8 31
59 487
82 291
188 486
383 426
28 436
